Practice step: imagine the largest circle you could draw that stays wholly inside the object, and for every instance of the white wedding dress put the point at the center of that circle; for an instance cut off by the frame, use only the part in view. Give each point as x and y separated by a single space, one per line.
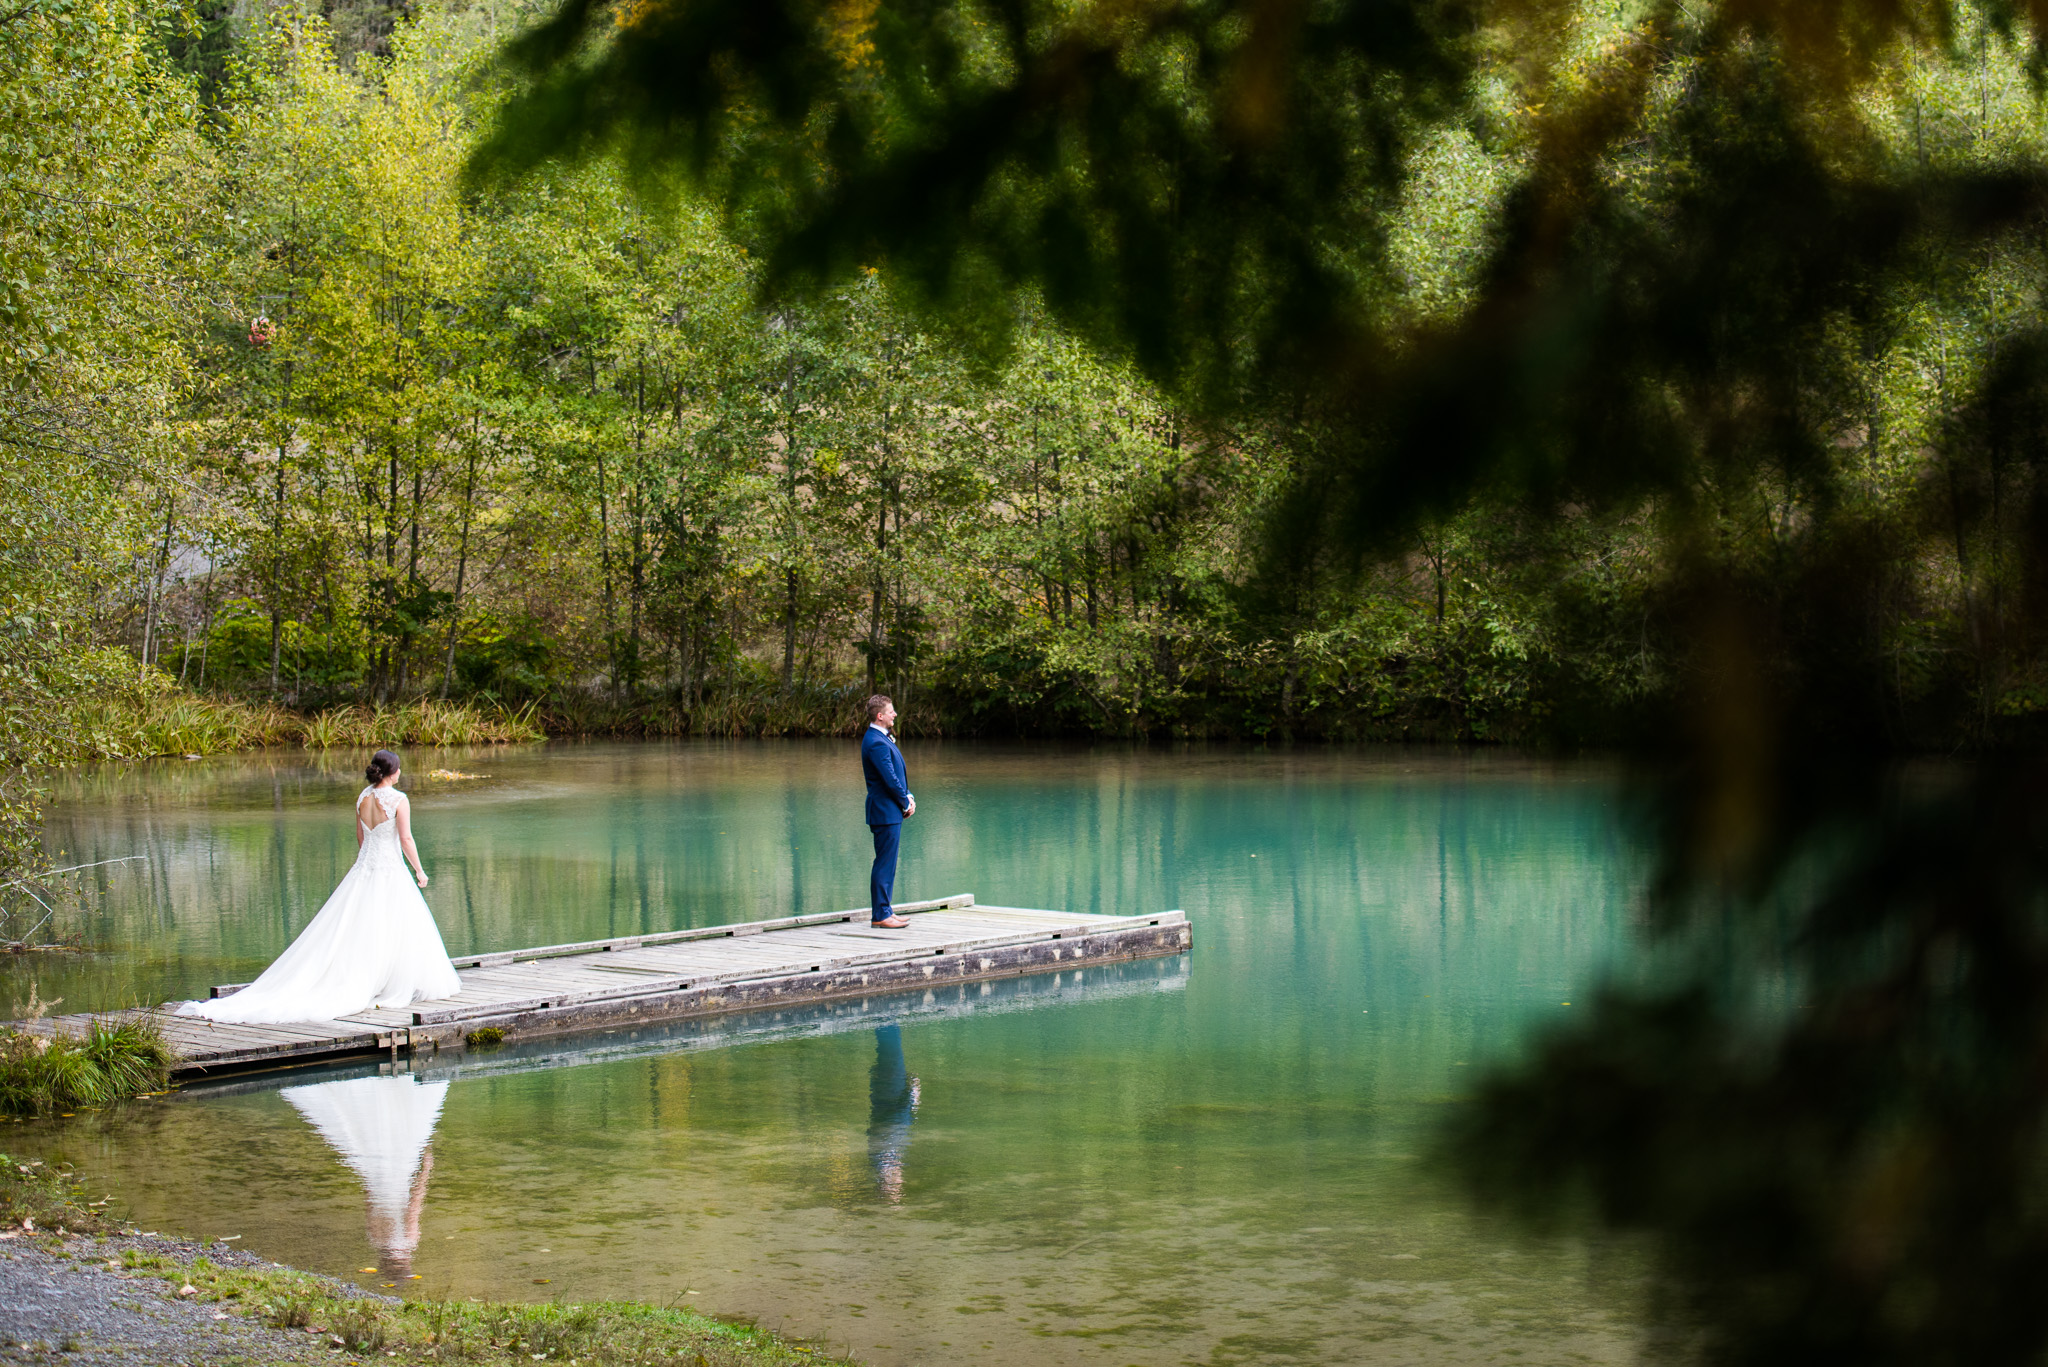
374 943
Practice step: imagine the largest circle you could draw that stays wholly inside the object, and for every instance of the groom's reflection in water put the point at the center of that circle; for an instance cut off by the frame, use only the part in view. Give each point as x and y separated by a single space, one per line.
892 1105
383 1128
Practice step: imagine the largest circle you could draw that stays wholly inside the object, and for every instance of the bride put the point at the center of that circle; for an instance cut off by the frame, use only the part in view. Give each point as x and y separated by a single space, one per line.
374 943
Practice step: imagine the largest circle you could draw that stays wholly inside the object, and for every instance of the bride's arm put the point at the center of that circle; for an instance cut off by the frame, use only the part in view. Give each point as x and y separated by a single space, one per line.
359 822
412 851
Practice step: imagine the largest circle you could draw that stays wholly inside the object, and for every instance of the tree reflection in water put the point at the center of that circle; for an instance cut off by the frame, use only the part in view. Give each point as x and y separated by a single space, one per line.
383 1128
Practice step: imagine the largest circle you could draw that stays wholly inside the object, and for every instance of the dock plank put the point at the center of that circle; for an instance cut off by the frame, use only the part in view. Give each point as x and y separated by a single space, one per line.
635 979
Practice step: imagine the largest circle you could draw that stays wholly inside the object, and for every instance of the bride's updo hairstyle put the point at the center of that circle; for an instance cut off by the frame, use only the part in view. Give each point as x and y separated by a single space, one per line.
383 765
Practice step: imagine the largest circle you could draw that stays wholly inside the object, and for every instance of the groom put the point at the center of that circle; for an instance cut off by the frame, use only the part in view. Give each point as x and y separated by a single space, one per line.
889 801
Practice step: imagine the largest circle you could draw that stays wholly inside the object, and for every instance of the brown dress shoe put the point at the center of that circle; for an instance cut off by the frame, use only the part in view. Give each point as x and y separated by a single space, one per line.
893 923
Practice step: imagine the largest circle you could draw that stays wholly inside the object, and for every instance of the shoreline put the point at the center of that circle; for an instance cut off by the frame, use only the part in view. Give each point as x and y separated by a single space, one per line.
74 1290
135 1300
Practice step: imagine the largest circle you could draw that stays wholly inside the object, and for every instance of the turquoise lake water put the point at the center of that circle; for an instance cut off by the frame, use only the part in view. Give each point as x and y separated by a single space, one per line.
1214 1158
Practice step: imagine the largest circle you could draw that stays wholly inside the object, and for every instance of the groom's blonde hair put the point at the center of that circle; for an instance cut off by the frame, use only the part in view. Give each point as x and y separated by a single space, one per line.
875 705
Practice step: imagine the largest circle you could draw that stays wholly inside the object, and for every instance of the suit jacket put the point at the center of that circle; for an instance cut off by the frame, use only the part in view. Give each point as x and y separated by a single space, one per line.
881 763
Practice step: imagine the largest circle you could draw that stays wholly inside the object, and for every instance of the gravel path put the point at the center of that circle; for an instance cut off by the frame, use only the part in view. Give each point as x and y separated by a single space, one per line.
61 1303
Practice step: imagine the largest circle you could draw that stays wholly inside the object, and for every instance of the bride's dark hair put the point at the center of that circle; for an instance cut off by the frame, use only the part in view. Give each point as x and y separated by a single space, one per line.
383 765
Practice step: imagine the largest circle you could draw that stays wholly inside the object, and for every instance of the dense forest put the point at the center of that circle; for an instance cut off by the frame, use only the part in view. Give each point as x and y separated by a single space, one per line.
299 411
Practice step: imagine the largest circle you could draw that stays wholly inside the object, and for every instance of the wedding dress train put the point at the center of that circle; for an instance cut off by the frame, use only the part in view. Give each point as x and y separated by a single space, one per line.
373 944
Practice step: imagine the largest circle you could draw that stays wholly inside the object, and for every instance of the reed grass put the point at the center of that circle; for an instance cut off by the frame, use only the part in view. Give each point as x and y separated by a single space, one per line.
40 1074
169 722
426 722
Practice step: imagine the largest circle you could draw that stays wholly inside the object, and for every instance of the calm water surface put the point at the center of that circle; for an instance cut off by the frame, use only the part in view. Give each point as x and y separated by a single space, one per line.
1213 1158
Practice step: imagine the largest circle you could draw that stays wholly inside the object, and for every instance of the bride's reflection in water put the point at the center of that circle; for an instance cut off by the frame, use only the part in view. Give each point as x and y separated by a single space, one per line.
383 1128
892 1105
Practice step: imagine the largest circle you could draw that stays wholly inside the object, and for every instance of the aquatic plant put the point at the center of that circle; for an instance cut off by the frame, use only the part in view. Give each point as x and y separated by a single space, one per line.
484 1037
39 1197
41 1073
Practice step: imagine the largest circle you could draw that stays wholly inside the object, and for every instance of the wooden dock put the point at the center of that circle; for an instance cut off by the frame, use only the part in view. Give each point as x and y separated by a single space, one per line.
713 970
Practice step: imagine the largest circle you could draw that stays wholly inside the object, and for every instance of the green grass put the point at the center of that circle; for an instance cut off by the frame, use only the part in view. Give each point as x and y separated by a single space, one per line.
592 1334
40 1074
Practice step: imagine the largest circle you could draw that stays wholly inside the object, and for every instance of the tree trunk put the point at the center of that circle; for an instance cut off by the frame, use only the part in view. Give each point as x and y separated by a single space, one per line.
154 604
611 620
789 630
206 608
461 562
277 573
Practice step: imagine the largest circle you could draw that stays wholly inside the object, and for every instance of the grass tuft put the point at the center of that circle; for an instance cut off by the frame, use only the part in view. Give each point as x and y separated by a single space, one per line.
117 1059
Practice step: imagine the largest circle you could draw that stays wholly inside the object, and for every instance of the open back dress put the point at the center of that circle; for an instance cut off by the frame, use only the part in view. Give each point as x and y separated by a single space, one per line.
373 944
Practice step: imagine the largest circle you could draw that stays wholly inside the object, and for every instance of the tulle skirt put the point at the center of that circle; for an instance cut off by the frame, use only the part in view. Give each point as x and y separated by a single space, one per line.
373 944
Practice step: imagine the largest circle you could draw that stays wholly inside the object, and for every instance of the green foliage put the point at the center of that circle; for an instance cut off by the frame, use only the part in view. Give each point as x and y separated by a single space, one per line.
96 146
1676 372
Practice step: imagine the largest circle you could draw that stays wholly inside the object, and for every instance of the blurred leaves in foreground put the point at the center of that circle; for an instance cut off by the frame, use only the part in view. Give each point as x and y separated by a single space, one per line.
1730 237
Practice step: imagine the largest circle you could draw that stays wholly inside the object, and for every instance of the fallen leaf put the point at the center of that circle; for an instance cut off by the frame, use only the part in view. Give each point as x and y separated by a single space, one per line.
220 1314
188 1290
366 1269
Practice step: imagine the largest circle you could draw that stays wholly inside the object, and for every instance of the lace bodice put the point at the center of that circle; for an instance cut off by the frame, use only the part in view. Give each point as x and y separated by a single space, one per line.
380 842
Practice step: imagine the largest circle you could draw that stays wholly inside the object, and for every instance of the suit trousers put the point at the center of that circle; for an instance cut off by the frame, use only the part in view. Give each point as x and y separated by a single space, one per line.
882 881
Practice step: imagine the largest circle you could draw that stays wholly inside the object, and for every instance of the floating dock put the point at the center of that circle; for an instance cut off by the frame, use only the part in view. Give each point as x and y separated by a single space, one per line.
672 975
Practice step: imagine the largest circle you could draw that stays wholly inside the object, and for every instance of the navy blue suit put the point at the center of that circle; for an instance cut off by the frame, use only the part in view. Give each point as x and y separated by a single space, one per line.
881 763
